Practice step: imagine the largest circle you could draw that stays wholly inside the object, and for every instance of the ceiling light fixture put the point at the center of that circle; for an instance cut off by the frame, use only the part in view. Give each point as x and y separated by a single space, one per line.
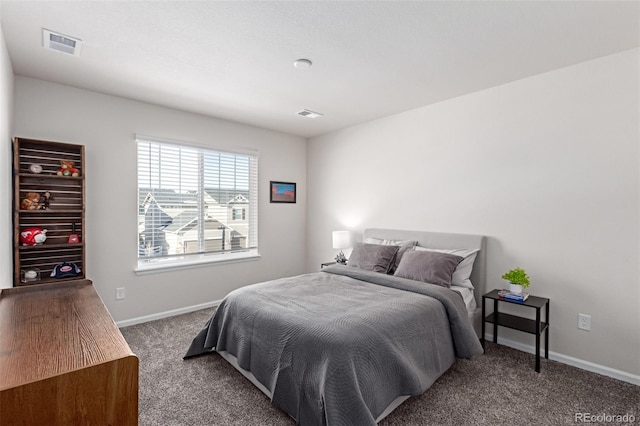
309 114
302 64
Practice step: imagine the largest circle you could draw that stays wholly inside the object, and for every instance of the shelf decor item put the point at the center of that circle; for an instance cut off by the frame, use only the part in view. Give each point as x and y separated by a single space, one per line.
518 280
67 168
73 237
33 236
65 270
29 275
35 168
514 297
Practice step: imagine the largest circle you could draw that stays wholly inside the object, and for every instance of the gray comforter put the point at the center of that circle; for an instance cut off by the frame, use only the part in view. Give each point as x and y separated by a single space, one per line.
337 347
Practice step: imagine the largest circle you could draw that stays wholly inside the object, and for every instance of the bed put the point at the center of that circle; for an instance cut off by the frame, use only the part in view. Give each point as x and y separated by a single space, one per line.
442 240
347 345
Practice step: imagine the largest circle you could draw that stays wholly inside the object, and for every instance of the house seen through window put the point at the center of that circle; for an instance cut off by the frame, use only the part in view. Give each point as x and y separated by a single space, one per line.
194 201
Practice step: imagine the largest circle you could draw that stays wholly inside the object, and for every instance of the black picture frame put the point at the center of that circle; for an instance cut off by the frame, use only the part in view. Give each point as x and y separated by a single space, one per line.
282 192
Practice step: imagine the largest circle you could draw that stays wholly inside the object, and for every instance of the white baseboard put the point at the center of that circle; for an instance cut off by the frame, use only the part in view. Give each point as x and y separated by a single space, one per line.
565 359
171 313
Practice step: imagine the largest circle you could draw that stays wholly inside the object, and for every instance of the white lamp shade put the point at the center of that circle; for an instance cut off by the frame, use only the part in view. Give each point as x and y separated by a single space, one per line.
341 239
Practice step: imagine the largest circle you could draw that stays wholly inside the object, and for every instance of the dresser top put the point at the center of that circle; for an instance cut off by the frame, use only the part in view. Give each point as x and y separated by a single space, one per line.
51 329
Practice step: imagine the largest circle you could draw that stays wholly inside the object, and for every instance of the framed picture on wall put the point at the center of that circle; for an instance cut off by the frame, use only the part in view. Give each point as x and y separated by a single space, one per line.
282 192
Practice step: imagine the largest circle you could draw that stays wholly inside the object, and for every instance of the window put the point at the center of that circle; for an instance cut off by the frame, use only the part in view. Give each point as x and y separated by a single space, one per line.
195 205
239 214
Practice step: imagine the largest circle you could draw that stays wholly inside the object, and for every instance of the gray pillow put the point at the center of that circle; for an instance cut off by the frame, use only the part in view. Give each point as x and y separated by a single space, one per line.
429 267
404 245
373 257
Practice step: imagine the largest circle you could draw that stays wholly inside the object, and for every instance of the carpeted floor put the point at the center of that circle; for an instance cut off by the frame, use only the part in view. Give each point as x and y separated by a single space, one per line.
497 388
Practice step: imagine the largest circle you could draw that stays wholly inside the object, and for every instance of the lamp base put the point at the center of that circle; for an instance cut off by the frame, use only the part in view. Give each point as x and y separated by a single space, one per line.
341 259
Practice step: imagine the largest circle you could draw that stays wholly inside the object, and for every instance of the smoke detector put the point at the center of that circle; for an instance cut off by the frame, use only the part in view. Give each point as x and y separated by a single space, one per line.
61 43
309 114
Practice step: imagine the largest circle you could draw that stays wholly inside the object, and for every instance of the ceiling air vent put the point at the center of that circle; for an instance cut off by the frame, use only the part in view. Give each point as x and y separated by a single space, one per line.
61 43
309 114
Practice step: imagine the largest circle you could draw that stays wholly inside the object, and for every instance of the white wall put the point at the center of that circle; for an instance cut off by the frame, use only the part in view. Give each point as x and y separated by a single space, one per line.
546 167
106 125
6 134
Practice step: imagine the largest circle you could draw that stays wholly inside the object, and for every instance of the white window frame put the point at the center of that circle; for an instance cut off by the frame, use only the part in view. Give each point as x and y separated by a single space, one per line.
187 261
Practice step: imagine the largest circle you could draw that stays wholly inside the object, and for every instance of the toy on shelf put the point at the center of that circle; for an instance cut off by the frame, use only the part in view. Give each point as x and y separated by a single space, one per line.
73 237
33 236
31 201
67 168
65 270
36 201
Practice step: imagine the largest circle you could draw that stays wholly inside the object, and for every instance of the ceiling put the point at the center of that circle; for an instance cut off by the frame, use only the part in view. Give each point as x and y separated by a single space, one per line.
234 60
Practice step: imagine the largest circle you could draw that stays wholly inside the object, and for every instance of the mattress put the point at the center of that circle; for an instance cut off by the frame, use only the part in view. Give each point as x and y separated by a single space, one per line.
467 296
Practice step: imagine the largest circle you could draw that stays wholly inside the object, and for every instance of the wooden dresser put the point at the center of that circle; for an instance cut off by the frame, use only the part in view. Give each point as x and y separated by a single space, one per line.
63 360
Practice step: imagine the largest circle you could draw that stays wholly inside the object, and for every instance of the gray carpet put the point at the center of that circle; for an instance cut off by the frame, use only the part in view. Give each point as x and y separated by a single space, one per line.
498 388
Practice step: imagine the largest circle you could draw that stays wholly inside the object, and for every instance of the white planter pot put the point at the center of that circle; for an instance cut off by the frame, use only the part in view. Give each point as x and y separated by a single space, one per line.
515 288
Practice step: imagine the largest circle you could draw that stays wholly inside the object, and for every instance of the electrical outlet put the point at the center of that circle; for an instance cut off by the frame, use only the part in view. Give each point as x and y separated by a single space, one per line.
584 322
120 293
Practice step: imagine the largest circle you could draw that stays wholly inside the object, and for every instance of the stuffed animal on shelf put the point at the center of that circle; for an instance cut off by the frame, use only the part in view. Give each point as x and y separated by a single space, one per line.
33 236
31 201
67 168
45 198
35 201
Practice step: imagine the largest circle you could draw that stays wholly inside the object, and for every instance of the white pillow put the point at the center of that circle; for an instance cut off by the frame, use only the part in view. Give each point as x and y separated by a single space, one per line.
463 270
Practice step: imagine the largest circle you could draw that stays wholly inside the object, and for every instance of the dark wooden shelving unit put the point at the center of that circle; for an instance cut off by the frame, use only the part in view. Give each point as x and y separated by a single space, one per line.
64 216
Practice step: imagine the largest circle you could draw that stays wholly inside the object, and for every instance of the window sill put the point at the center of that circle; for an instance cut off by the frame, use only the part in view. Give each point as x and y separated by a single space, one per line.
154 267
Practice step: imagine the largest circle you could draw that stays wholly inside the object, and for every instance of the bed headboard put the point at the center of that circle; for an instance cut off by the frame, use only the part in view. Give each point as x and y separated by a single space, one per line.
441 240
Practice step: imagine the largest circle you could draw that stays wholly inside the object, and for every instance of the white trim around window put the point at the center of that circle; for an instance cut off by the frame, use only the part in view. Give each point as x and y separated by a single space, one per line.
195 262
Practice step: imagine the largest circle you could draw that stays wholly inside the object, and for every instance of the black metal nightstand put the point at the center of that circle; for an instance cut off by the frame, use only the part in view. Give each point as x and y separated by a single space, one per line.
536 326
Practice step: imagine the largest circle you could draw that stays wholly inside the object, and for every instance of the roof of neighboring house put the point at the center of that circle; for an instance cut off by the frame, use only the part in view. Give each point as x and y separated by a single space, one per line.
181 221
224 196
155 217
185 221
169 197
239 199
166 197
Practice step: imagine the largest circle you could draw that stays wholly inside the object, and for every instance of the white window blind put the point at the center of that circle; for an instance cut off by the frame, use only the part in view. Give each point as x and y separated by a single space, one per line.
189 198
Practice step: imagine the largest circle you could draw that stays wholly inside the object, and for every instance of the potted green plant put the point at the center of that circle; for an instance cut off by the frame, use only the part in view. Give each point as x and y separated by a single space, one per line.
518 279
